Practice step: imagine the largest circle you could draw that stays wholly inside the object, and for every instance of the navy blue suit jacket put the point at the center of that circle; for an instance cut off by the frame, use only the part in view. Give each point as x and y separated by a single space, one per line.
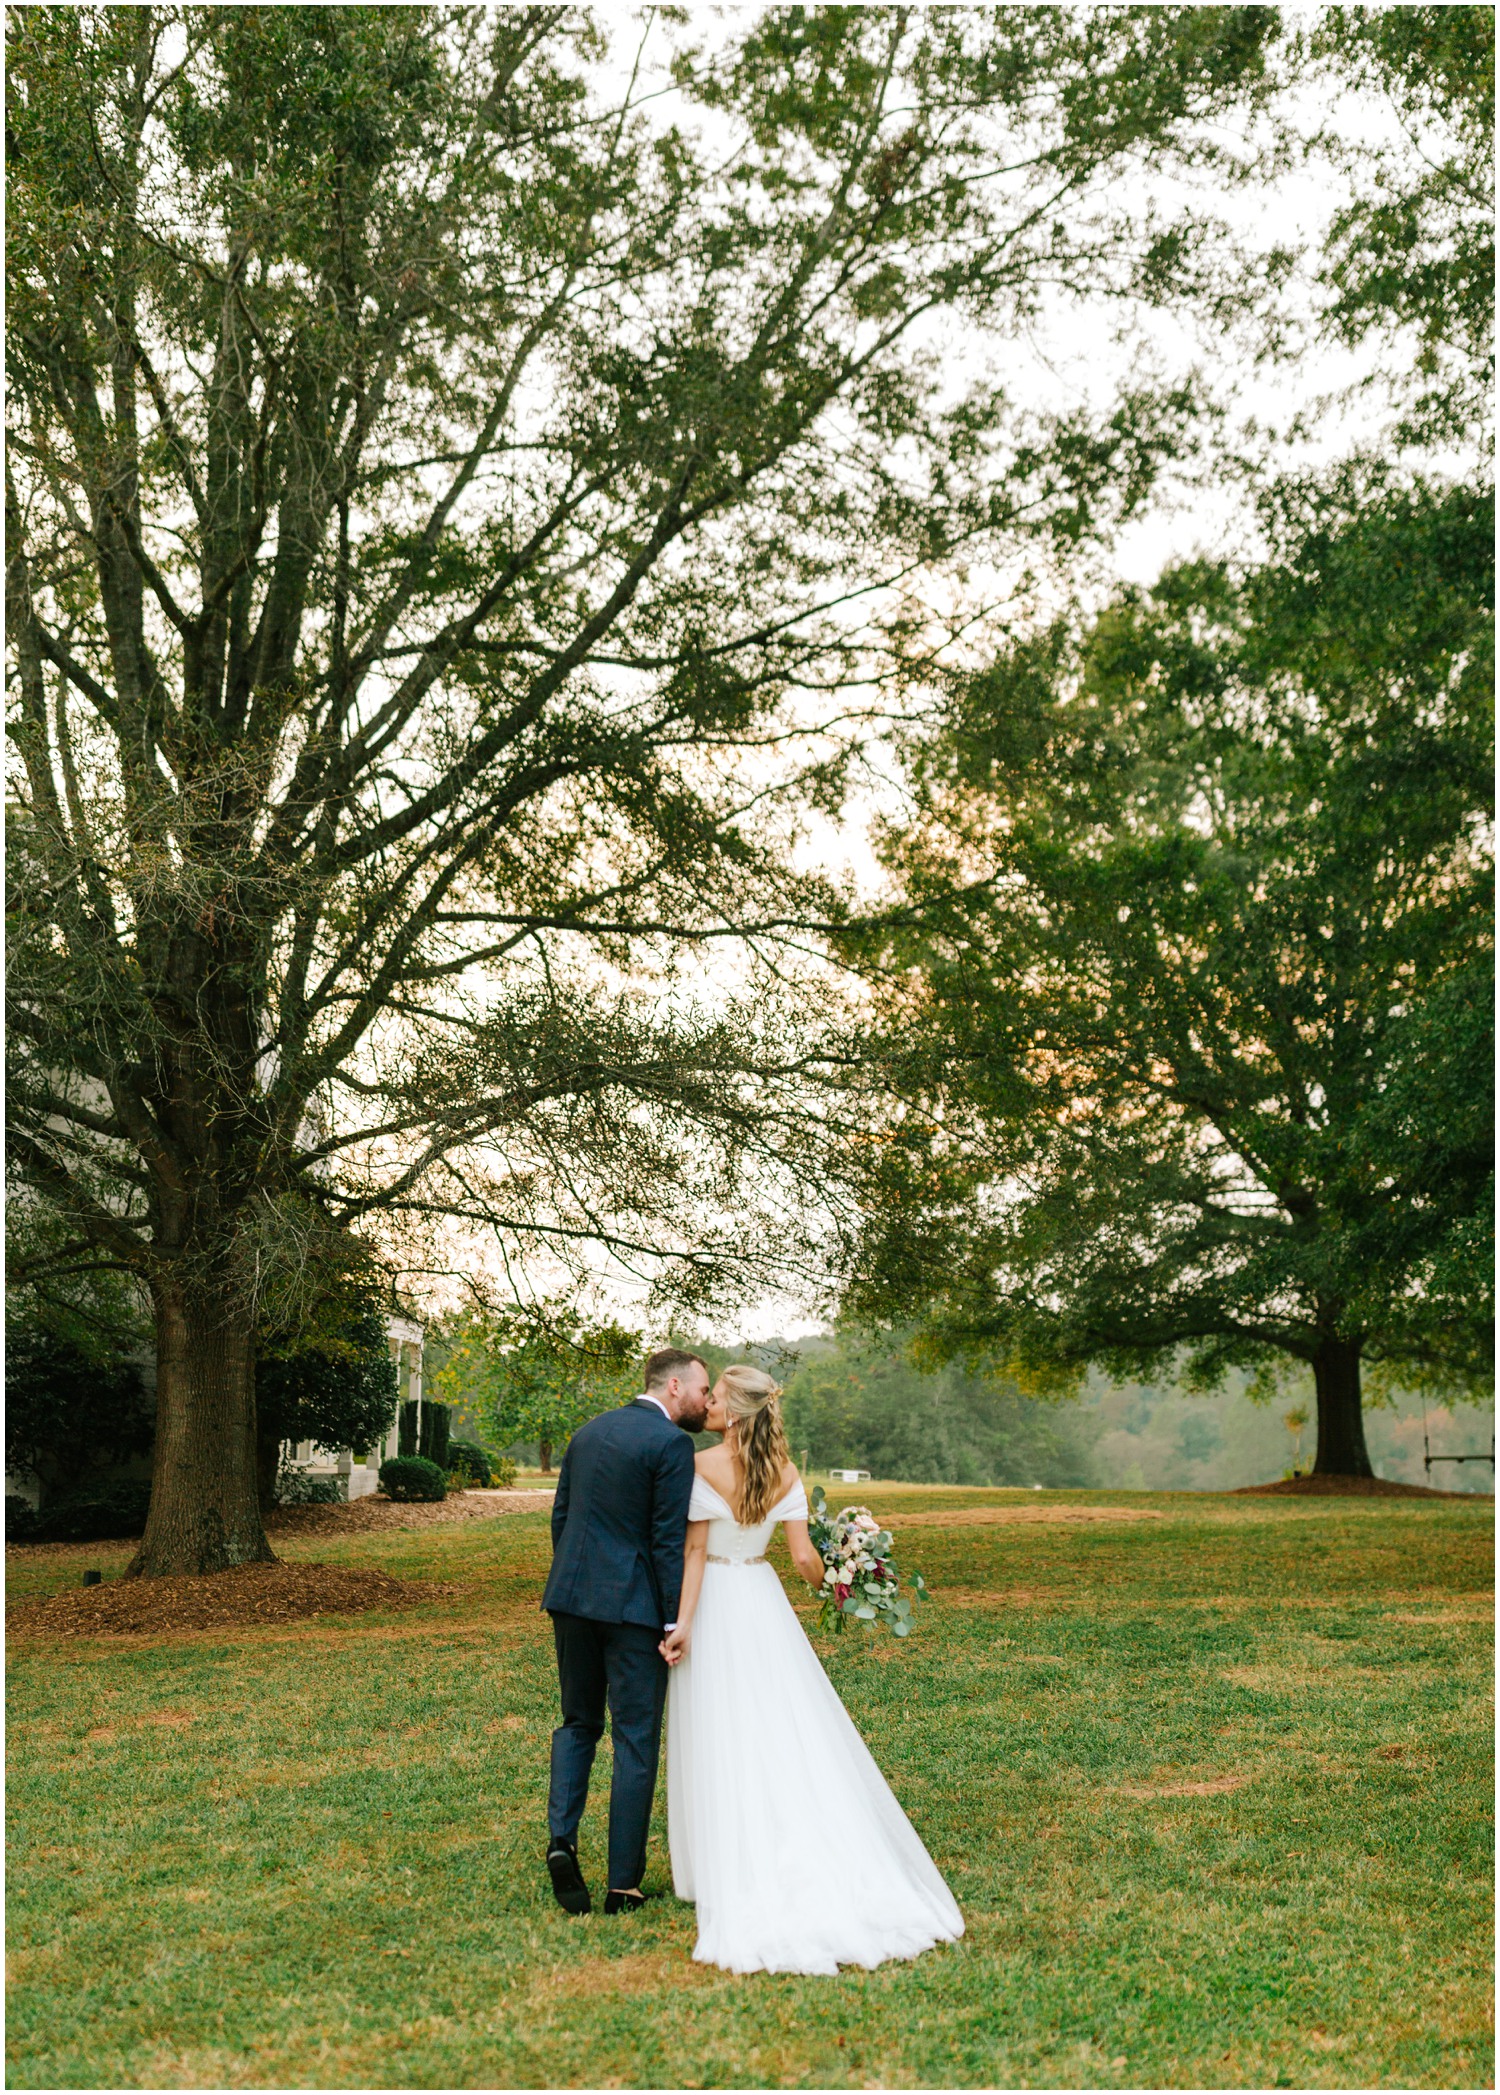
619 1520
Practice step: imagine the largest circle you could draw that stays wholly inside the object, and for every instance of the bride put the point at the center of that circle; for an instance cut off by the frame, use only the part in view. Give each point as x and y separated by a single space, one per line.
782 1828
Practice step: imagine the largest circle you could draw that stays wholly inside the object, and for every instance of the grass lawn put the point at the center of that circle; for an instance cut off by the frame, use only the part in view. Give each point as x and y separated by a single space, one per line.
1212 1787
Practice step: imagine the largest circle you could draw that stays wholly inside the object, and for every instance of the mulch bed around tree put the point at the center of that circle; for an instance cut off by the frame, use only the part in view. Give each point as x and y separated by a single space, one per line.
1350 1487
229 1599
374 1512
381 1512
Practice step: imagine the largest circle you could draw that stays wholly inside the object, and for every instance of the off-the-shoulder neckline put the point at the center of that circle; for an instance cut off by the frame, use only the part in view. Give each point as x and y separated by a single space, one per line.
699 1478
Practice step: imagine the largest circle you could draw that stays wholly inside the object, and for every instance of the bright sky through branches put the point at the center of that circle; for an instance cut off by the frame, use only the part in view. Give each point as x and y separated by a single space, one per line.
1302 406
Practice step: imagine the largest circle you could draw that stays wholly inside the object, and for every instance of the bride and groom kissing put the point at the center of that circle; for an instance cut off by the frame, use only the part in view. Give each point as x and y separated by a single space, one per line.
781 1827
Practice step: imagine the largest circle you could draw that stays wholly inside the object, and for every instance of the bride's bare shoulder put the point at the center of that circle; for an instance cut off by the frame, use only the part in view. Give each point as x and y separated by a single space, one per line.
790 1475
712 1462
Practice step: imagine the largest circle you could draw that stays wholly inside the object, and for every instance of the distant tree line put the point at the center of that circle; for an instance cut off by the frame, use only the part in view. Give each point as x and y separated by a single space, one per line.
861 1402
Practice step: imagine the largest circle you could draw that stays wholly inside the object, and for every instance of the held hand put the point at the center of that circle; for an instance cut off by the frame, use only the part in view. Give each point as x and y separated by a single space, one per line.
674 1645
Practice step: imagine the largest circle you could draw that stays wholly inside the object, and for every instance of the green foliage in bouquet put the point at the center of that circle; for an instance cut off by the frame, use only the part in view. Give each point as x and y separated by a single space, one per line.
860 1580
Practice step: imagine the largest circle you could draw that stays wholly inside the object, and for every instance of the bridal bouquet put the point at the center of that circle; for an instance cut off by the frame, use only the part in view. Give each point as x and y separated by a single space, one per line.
860 1582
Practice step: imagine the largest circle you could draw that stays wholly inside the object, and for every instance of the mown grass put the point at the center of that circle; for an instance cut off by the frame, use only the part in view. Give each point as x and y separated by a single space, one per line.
310 1857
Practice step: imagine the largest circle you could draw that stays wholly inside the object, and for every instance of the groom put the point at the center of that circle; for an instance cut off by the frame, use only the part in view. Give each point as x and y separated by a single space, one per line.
619 1521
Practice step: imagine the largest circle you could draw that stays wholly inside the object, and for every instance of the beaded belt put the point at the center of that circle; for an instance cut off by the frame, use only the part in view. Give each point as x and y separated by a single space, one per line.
734 1560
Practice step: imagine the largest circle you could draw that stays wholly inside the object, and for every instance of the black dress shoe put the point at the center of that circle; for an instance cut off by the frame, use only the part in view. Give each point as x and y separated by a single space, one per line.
568 1887
624 1901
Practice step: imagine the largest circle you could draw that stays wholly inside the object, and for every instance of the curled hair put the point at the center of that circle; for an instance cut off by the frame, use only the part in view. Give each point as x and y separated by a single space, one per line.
752 1400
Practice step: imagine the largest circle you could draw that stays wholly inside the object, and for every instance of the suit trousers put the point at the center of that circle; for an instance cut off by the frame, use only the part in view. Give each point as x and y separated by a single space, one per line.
615 1664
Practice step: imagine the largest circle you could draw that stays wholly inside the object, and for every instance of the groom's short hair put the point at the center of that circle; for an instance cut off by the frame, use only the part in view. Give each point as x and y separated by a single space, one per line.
670 1361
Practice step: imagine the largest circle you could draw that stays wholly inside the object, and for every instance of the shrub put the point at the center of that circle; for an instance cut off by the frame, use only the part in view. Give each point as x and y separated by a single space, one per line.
469 1464
107 1513
67 1413
294 1487
20 1518
436 1425
406 1432
467 1459
412 1477
340 1393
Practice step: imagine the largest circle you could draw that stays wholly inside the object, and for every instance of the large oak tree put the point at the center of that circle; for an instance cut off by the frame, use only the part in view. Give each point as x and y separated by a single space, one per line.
440 486
1193 1027
1195 1023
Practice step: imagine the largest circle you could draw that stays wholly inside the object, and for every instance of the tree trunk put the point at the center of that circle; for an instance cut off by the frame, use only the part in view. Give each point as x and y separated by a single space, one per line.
545 1451
205 1487
1341 1424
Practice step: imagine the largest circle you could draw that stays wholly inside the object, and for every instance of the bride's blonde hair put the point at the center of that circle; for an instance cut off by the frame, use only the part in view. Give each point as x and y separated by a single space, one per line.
753 1402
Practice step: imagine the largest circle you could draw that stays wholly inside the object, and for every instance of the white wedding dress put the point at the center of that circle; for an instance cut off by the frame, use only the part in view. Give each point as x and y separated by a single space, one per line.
782 1828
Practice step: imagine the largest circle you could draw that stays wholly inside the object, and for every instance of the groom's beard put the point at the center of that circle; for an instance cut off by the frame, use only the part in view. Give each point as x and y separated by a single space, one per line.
694 1418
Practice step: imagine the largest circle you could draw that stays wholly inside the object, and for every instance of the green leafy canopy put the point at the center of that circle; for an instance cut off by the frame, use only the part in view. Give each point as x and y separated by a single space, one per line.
1195 1033
539 1376
460 516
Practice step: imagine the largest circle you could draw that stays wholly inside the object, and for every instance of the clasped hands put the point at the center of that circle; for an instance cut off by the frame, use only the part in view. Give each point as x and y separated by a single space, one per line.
674 1645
